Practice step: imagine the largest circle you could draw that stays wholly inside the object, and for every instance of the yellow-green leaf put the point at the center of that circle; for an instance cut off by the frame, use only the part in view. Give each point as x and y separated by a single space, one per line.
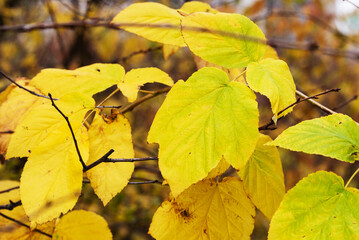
196 6
263 177
202 120
135 78
108 179
43 119
229 40
16 104
10 230
335 136
153 21
52 177
273 79
318 207
82 225
206 210
87 80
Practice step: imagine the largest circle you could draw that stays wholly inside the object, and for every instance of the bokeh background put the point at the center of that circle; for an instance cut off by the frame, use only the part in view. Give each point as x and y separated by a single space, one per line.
319 39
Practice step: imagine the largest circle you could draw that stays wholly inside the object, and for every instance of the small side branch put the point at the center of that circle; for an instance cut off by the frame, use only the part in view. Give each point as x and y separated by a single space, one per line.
114 160
24 88
72 132
24 225
9 190
11 205
102 159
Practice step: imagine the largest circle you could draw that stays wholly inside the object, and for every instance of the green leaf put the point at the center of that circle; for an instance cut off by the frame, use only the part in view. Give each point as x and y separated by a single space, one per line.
273 79
87 80
231 40
318 207
201 121
335 136
263 177
165 21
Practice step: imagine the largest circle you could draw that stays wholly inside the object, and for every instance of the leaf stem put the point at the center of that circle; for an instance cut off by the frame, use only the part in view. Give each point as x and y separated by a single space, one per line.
241 74
351 178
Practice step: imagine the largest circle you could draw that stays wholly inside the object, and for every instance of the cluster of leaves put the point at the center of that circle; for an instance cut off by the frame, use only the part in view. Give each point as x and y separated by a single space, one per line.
206 127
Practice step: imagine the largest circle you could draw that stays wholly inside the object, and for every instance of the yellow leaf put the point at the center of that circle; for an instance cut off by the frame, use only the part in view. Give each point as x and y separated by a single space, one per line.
87 80
206 210
108 179
16 104
52 177
263 177
226 39
169 50
196 6
165 21
82 225
135 78
202 121
43 119
270 53
10 230
273 79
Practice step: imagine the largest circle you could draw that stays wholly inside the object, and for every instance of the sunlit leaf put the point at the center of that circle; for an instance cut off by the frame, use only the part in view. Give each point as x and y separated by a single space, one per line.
230 40
135 78
52 177
263 177
14 106
273 79
87 80
202 120
82 225
270 53
108 179
165 21
335 136
10 230
43 120
196 6
318 207
206 210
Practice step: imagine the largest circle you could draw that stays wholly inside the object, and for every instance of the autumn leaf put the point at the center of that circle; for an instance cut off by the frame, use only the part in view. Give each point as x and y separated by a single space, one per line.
318 207
82 225
196 6
43 119
206 210
335 136
228 39
273 79
87 80
202 120
135 78
263 177
10 230
13 108
138 18
108 179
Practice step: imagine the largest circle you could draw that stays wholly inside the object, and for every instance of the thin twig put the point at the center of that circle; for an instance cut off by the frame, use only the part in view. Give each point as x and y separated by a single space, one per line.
71 130
346 102
11 205
299 100
114 160
143 99
9 190
7 132
97 162
24 225
101 107
315 103
143 181
124 59
24 88
357 6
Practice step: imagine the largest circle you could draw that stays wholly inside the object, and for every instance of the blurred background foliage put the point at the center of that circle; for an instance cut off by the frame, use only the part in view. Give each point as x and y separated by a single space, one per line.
330 28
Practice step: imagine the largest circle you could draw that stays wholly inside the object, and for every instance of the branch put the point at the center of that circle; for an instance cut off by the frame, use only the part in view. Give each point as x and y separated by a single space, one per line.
24 225
7 132
11 205
72 132
315 103
24 88
355 97
115 160
9 190
143 99
102 159
299 100
308 46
